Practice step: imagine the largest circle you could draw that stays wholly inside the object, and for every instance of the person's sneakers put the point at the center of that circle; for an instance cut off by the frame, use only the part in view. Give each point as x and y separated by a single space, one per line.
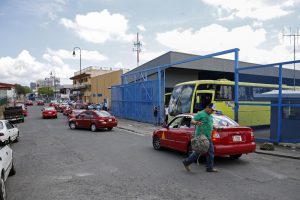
212 170
187 167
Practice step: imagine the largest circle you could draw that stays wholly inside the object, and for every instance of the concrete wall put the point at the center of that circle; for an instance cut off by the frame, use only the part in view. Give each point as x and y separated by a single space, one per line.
100 86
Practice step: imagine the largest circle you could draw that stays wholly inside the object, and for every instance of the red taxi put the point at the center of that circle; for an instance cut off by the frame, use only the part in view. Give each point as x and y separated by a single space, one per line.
24 109
229 138
49 112
40 103
93 120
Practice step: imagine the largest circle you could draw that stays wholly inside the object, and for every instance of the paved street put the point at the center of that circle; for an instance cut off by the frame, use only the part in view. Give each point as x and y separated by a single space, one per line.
54 162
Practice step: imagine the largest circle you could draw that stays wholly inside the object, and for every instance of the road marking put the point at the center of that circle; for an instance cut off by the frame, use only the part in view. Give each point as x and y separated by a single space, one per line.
136 133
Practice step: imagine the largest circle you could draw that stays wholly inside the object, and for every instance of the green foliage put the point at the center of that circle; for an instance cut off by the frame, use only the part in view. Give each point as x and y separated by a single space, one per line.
46 91
22 89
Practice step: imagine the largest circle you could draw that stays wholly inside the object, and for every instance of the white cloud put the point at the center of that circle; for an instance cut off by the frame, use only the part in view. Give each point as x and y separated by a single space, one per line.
141 28
25 68
216 38
254 9
99 27
68 54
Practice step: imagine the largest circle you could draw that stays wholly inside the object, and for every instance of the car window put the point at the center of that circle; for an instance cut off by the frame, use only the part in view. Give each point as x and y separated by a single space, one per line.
103 114
186 122
1 125
223 121
49 109
8 125
176 123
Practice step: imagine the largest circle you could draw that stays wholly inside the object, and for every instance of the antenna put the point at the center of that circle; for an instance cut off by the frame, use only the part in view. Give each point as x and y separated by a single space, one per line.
295 37
137 47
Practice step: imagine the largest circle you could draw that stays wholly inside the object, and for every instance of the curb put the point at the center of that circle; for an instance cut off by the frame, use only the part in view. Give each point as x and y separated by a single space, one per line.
130 130
278 155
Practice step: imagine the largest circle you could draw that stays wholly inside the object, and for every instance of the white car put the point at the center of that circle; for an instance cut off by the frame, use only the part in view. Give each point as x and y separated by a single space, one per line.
8 131
6 166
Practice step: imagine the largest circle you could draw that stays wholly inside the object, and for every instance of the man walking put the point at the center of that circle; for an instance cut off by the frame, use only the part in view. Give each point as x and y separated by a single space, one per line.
204 125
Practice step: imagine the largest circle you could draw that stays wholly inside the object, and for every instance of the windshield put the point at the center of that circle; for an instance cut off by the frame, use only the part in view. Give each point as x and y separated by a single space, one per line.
103 114
223 121
1 125
49 109
181 99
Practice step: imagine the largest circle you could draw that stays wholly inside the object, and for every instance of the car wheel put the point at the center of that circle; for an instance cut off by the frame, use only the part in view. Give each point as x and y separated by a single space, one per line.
22 120
12 170
110 128
237 156
93 128
156 143
72 125
3 195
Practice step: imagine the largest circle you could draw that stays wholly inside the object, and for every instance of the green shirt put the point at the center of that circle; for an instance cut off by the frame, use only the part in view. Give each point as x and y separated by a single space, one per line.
207 124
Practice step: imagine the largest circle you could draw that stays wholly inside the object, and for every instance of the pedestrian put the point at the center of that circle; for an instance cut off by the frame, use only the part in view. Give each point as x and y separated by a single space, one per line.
204 125
166 114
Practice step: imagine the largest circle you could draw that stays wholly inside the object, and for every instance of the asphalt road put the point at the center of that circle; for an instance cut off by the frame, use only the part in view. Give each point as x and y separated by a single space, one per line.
54 162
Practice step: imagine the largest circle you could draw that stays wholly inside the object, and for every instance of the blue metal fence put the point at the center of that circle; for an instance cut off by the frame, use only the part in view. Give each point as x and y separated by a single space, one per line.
137 99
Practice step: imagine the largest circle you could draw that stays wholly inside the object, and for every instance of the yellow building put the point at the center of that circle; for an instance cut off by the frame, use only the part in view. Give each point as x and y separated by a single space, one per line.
101 86
82 82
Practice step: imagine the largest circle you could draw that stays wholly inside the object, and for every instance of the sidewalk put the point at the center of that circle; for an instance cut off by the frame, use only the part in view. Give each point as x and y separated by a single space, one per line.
285 150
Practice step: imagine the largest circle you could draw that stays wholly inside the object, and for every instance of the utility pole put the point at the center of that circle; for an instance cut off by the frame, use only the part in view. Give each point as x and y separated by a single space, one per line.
137 47
294 36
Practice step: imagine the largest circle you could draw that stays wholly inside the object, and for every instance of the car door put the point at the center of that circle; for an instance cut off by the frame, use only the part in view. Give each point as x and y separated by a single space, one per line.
80 120
170 134
88 119
9 128
14 131
183 134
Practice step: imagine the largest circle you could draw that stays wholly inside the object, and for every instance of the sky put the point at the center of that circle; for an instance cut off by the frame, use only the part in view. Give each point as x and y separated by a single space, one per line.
38 36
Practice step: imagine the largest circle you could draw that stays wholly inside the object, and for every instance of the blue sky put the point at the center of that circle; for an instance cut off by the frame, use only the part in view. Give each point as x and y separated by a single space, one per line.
38 36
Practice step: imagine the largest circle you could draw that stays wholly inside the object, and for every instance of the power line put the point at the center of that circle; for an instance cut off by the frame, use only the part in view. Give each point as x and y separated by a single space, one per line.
295 37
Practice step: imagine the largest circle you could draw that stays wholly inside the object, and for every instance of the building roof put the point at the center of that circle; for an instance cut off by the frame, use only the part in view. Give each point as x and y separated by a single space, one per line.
286 94
210 64
6 86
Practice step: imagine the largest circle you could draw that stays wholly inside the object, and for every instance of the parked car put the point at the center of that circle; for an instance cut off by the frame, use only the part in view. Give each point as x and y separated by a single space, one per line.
228 137
74 113
93 120
8 131
67 110
7 167
49 112
53 103
40 103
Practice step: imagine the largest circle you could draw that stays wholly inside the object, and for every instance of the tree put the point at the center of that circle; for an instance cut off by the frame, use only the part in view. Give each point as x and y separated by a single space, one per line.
22 89
46 91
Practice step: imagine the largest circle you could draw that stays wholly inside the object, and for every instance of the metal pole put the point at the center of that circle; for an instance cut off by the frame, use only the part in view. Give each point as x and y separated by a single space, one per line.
279 105
236 85
79 66
294 62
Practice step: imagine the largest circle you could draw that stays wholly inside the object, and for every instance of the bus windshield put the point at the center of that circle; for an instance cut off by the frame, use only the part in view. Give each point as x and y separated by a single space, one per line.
181 99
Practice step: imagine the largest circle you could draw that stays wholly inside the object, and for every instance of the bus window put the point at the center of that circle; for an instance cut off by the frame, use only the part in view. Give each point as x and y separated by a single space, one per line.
201 101
181 99
224 93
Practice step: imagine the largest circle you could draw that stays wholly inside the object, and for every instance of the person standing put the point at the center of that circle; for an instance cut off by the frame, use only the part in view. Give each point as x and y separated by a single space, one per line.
204 125
166 114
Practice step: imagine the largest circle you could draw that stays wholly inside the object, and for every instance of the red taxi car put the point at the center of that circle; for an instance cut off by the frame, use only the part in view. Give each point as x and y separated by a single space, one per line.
29 103
24 109
49 112
40 103
229 138
93 120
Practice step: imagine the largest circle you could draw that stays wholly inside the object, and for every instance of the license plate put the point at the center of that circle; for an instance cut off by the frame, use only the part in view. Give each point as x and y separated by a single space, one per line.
237 138
109 120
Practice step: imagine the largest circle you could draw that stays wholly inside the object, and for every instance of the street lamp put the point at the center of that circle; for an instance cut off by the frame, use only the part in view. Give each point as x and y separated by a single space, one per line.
74 54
